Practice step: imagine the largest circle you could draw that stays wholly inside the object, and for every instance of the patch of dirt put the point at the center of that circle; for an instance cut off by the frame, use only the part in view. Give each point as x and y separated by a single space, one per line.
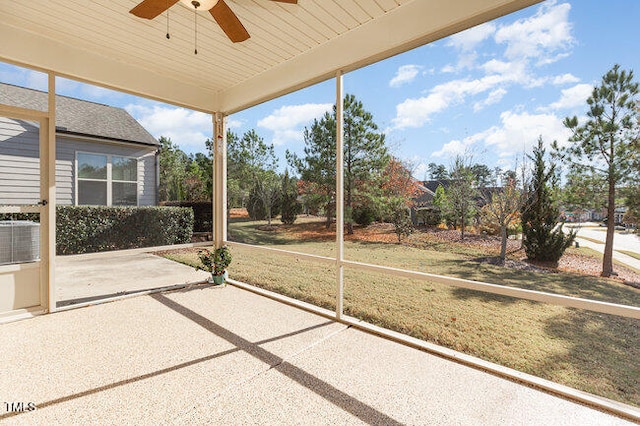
238 213
588 265
517 264
476 241
268 228
305 231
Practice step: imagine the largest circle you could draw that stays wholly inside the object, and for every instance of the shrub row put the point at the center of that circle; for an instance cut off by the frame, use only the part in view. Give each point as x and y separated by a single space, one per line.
89 229
202 213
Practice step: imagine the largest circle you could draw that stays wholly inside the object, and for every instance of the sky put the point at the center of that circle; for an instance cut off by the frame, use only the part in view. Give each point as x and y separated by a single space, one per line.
489 92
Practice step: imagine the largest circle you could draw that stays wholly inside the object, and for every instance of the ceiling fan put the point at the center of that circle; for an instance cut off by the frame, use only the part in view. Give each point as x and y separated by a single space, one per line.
220 11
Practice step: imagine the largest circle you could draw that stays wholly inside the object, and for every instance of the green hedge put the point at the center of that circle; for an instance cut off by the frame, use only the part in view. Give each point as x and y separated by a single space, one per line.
88 229
202 213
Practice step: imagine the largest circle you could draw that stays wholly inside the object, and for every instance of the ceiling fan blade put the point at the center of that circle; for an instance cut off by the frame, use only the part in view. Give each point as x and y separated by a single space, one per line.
287 1
149 9
229 22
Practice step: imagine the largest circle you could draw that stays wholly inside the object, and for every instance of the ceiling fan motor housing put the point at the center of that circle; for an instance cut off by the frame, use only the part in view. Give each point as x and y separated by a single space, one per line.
199 4
219 10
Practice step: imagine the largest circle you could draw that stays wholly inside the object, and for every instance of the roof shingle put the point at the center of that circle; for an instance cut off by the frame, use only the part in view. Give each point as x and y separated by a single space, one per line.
79 117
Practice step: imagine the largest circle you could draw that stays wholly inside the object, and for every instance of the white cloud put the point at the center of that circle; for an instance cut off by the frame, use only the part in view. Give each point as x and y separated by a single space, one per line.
565 79
451 149
417 112
99 92
421 171
405 75
494 97
518 132
286 122
513 71
23 77
448 69
37 80
458 147
545 36
573 97
234 124
188 129
467 40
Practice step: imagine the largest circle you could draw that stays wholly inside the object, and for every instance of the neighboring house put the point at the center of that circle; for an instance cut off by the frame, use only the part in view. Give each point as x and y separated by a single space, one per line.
618 214
584 215
423 207
103 155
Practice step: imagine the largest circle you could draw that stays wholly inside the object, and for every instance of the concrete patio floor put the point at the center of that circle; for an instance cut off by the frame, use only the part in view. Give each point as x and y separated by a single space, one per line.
87 277
206 355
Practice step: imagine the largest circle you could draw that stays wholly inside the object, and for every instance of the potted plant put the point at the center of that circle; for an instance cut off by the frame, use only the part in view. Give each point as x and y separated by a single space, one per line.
216 262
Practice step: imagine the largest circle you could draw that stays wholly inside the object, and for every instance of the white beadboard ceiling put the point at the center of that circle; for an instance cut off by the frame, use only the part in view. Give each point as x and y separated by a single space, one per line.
291 46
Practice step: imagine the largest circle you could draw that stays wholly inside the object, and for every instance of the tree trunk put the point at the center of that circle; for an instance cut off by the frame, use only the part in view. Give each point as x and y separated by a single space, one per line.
349 189
328 212
503 243
607 259
266 202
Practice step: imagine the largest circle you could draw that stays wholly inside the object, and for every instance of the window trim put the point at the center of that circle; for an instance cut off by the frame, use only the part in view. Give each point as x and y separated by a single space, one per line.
109 180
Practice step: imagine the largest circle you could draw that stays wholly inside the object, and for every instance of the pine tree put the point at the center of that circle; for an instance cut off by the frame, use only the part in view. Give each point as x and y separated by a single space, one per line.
365 157
252 164
365 153
543 238
290 207
440 202
606 145
318 167
173 171
461 194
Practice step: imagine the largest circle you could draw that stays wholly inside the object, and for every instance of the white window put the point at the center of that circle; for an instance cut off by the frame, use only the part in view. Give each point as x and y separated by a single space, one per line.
106 180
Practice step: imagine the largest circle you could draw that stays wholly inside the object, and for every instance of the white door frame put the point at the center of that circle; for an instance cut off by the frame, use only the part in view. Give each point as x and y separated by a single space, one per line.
47 207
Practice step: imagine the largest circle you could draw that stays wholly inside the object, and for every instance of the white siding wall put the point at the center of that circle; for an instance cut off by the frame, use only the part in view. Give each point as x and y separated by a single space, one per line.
19 164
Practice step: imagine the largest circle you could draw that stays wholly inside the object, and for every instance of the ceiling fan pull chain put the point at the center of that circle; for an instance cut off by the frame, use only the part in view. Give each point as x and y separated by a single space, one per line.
168 36
195 14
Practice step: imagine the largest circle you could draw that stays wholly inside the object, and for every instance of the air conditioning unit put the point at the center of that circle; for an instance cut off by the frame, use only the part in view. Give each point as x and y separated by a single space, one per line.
19 241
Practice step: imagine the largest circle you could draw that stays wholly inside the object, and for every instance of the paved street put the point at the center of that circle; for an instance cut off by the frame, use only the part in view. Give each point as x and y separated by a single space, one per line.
623 240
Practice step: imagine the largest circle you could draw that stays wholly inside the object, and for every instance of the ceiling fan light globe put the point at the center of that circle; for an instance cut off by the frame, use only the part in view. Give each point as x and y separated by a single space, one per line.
204 4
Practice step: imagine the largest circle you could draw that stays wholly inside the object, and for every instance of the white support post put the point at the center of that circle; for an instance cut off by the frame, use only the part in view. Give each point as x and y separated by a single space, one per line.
223 178
339 196
219 180
48 193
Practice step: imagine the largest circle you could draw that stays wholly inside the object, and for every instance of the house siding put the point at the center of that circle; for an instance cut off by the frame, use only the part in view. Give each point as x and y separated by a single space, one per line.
19 162
20 170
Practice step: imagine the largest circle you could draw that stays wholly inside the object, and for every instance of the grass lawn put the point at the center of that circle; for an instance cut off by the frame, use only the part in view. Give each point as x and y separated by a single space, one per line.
630 253
593 352
593 240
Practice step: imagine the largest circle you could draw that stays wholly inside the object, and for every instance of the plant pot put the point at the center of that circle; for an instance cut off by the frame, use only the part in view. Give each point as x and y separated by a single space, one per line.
217 279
